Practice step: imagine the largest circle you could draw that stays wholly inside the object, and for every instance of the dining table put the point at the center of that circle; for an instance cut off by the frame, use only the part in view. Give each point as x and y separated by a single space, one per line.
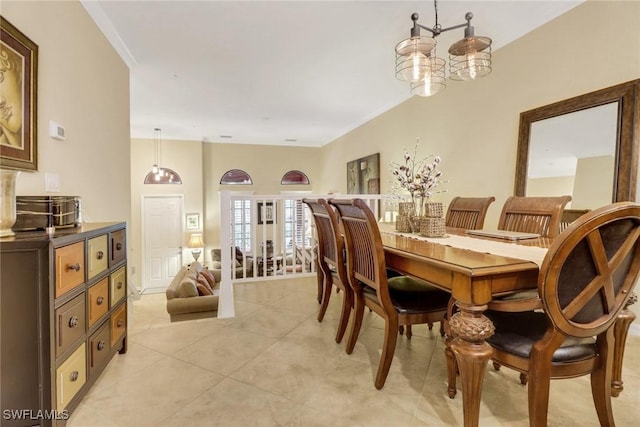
474 270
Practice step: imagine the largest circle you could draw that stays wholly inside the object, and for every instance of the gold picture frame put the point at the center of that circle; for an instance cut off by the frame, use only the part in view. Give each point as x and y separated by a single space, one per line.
18 90
363 175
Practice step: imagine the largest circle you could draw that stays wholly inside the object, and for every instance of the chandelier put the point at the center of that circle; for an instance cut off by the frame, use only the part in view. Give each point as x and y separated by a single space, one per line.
159 174
417 63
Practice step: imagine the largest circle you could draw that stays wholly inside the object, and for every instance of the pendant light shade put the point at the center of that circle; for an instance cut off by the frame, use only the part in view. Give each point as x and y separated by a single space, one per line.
413 58
470 58
433 80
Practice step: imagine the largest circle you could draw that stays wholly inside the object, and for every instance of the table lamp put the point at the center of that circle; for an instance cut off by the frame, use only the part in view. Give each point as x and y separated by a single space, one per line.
196 244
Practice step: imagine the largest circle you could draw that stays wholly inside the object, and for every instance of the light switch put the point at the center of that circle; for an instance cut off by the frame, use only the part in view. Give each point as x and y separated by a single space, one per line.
51 182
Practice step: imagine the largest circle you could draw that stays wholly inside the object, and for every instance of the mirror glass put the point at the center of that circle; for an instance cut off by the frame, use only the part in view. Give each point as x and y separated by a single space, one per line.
574 154
585 146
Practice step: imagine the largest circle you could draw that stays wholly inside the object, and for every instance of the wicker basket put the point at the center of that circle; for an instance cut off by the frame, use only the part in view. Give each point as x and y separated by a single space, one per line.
432 227
405 208
402 224
433 210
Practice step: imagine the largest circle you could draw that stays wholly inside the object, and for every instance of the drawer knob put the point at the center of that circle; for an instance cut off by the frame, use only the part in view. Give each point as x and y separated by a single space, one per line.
119 246
119 323
100 255
99 300
119 286
73 322
74 267
100 345
74 375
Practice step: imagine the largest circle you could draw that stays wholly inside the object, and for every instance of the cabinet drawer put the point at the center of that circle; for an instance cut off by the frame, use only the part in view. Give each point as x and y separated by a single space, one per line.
97 256
70 323
69 267
118 323
118 247
99 349
70 377
98 297
118 285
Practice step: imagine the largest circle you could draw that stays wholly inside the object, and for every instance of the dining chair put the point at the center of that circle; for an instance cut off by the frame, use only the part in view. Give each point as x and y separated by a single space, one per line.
540 215
398 300
468 213
331 261
584 283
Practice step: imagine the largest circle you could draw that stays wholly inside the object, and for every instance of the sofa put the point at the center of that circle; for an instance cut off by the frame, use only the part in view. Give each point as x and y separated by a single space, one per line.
191 295
238 259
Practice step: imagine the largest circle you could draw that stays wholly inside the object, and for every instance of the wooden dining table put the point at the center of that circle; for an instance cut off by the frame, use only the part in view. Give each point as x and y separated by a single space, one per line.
473 278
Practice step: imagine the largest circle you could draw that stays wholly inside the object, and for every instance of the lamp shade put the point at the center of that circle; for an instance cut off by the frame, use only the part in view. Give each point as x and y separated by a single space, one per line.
470 58
433 81
196 241
413 58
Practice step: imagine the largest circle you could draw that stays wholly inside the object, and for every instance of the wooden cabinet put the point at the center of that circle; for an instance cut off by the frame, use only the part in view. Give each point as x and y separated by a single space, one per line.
63 311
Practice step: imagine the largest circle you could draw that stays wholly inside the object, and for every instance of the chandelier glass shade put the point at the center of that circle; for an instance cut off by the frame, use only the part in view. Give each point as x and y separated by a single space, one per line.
159 174
417 63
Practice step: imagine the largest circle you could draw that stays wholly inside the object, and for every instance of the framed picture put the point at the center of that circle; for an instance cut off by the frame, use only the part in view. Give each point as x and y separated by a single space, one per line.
363 175
266 213
193 221
18 91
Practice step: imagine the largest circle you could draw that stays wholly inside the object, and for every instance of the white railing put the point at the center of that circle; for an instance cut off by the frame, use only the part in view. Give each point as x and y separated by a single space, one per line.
275 235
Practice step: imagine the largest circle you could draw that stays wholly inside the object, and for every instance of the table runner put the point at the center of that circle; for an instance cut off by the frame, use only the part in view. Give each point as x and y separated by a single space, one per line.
534 254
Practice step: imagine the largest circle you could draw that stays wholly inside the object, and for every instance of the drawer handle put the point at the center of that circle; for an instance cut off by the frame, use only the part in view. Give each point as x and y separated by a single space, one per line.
119 286
100 345
75 267
119 323
100 255
74 375
99 300
73 322
119 246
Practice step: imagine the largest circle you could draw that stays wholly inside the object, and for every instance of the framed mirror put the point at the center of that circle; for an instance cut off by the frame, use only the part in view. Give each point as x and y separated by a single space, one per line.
586 146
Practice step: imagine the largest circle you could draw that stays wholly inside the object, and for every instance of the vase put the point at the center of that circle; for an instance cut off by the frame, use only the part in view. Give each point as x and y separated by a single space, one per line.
415 223
7 201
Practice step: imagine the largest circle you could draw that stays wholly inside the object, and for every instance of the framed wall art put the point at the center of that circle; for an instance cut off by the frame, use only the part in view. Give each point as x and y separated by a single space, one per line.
18 91
266 213
193 221
363 175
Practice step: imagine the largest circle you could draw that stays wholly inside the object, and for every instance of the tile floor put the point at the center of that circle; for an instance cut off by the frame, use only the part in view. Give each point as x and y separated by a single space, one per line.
275 365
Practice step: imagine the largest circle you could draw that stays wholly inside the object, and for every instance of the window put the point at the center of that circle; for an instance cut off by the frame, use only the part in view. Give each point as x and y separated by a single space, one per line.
294 178
296 222
241 224
236 176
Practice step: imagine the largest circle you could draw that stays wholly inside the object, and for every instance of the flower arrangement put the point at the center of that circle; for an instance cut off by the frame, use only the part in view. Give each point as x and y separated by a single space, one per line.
419 178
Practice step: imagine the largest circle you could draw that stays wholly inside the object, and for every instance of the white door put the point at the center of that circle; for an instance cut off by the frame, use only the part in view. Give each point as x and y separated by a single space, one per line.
162 228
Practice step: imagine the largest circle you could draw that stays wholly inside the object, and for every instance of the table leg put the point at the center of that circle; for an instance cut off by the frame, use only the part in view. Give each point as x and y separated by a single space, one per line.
470 329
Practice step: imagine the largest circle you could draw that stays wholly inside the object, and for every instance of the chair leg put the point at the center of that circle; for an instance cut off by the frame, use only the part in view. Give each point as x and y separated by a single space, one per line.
452 368
524 378
540 378
326 296
496 366
320 279
401 329
388 348
357 323
601 379
409 332
347 304
620 331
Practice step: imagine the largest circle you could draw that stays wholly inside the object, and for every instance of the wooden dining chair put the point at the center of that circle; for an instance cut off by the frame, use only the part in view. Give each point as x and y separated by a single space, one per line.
540 215
584 283
398 300
331 261
468 213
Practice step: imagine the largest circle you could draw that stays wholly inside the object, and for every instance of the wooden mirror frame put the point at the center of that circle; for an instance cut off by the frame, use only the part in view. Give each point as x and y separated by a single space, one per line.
627 133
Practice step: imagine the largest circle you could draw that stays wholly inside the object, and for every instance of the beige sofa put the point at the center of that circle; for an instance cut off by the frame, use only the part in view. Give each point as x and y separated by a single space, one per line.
183 300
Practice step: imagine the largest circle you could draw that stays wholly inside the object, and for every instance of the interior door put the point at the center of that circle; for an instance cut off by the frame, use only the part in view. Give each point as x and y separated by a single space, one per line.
162 225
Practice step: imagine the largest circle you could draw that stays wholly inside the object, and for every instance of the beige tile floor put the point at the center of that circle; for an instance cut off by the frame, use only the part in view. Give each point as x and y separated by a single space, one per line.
275 365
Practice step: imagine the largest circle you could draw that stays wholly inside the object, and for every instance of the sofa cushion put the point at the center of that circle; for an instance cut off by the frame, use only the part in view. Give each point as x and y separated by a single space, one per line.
187 288
204 289
209 276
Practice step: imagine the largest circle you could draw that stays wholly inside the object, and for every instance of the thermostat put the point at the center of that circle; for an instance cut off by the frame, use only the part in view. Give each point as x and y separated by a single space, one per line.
56 131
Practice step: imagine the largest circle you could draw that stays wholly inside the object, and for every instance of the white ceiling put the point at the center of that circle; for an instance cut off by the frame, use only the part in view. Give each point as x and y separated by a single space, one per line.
281 72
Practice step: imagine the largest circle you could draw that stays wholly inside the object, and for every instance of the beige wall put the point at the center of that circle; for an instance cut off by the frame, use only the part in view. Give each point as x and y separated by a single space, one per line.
84 86
473 126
